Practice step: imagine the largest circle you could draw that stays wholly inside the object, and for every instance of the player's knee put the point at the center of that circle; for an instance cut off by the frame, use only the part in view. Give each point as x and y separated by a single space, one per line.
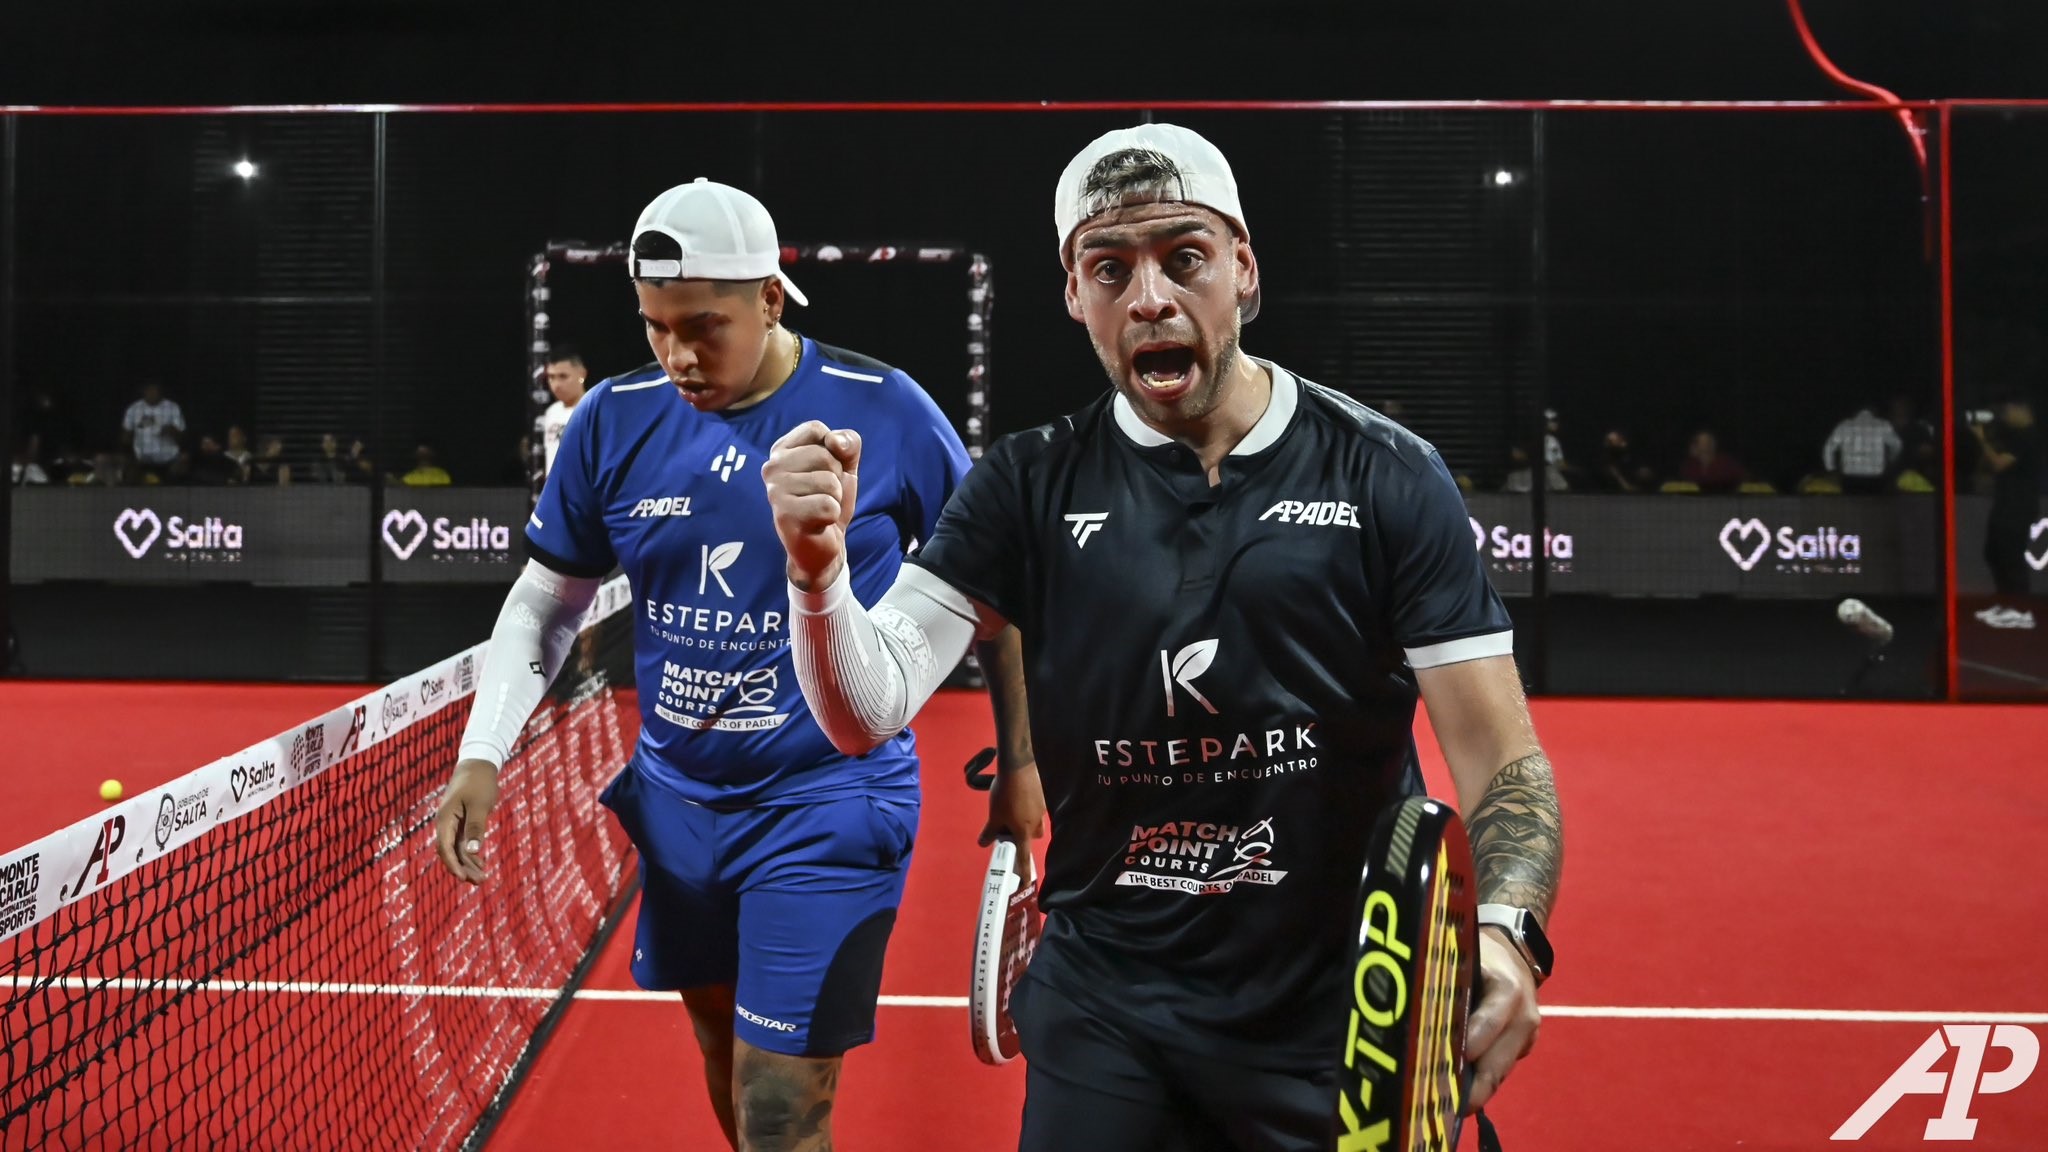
785 1102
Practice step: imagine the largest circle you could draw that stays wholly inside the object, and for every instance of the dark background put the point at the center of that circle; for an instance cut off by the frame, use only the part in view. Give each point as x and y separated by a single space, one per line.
252 51
1758 272
1761 273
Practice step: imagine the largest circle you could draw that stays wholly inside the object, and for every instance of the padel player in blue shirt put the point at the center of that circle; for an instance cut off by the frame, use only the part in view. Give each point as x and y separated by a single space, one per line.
772 863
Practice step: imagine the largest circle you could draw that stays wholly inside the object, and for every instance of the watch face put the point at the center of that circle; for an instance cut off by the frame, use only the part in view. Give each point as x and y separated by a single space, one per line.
1539 945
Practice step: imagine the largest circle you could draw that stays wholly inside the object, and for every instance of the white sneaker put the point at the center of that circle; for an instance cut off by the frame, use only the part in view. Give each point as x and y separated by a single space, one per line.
1998 617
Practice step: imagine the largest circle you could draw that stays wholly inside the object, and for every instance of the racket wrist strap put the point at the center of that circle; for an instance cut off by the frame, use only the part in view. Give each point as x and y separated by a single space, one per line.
1489 1140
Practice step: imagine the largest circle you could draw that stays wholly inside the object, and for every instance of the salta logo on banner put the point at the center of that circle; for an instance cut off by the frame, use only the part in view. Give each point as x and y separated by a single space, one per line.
405 529
138 530
246 780
395 708
433 690
1517 550
177 813
1747 541
1960 1086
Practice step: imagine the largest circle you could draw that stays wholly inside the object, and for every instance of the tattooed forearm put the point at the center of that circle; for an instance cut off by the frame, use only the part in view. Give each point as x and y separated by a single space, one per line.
1518 837
785 1102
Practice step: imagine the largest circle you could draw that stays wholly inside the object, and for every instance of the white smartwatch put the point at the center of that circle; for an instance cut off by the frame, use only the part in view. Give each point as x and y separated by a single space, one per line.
1524 933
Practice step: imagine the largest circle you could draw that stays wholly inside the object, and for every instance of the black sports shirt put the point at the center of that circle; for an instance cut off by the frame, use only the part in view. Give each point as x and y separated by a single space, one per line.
1222 690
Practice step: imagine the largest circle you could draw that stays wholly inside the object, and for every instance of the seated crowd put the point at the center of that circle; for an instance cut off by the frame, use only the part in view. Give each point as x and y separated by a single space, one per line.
154 445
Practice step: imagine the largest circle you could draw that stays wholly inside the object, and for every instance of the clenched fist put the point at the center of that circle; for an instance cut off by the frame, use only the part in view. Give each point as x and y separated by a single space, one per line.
813 474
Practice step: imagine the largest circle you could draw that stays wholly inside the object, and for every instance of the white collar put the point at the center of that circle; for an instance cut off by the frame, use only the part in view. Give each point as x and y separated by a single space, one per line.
1279 412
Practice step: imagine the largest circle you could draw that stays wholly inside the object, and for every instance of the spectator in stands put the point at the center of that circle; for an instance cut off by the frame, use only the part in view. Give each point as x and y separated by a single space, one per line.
566 377
425 472
151 430
1708 468
330 466
268 466
333 466
1518 477
1564 475
2012 451
1919 445
60 447
1555 466
518 471
211 466
1620 469
238 449
1861 452
24 469
107 470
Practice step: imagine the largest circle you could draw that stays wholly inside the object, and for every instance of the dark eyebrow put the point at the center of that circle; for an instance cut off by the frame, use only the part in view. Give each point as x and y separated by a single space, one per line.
1128 238
705 315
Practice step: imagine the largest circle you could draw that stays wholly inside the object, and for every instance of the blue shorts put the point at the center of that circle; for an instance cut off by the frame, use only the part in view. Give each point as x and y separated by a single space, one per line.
791 905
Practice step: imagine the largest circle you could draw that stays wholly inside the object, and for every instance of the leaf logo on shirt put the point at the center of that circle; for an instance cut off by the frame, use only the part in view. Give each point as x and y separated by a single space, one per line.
1183 667
716 561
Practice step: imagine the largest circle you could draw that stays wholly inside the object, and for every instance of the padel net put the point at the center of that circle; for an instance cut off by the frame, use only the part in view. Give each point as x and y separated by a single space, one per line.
266 953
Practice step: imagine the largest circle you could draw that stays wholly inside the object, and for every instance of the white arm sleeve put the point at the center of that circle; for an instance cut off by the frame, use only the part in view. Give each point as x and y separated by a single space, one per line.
866 673
538 625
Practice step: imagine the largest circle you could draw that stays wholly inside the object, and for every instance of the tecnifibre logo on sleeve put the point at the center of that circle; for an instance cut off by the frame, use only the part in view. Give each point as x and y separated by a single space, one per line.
139 529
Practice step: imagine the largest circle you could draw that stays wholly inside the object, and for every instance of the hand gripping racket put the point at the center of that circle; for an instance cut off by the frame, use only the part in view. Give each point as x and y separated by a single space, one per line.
1005 935
1004 938
1402 1079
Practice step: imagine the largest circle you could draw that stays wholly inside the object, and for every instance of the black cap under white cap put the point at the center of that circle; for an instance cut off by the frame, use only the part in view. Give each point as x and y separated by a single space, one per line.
1204 178
722 233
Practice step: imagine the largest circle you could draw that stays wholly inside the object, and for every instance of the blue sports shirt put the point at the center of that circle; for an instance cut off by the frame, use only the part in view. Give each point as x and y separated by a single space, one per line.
674 497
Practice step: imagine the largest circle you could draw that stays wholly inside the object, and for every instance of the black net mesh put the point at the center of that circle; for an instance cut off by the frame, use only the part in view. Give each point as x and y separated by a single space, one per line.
267 954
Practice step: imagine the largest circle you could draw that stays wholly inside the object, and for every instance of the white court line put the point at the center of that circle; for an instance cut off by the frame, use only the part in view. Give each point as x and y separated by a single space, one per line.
1579 1011
1827 1015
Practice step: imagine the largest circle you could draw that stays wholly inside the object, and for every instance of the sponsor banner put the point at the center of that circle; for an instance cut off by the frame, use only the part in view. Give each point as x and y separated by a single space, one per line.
287 536
1777 547
301 536
71 864
452 535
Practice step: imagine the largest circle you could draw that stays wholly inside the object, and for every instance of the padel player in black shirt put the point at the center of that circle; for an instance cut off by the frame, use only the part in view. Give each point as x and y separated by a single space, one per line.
1232 585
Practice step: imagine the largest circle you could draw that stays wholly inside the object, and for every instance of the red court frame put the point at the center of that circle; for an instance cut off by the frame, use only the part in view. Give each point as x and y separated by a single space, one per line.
1941 108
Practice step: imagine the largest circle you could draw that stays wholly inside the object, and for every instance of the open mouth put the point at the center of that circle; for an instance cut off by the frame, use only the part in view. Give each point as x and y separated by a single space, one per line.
1163 366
